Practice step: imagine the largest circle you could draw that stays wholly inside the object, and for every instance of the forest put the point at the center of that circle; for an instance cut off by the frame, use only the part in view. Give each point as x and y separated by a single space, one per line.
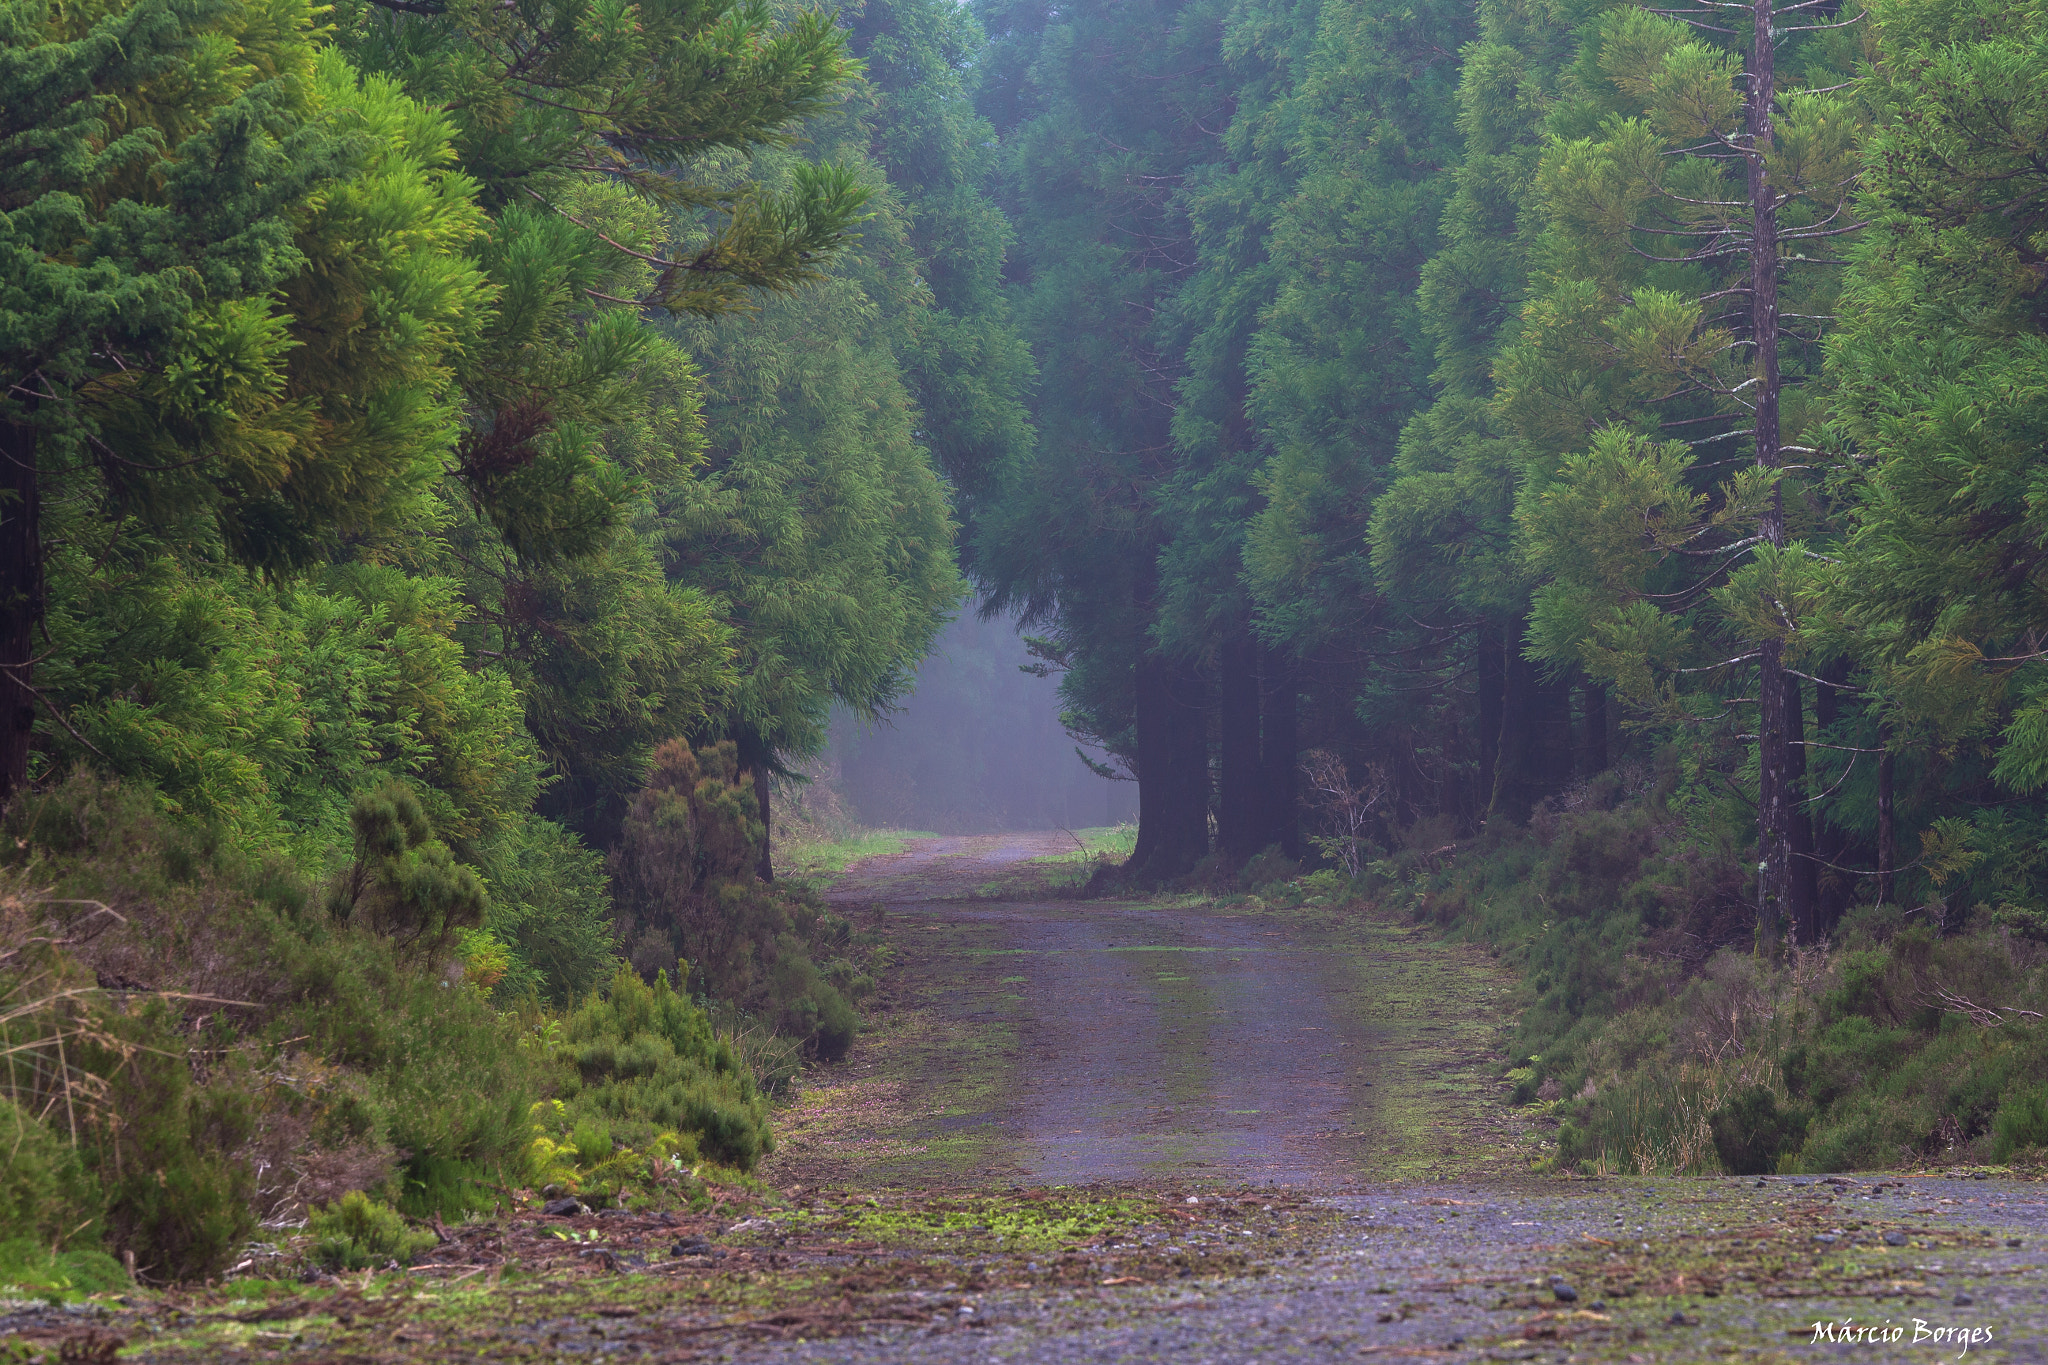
1572 471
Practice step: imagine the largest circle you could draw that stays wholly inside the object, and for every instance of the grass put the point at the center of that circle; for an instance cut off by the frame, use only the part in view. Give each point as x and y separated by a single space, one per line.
1098 843
822 859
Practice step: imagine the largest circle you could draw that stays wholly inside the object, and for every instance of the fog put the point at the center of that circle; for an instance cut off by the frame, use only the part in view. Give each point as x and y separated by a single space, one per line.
977 748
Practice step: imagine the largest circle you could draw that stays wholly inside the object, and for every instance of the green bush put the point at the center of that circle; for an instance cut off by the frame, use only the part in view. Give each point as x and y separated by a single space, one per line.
29 1267
46 1194
1751 1132
357 1233
645 1061
689 900
2022 1122
404 885
350 1051
1633 930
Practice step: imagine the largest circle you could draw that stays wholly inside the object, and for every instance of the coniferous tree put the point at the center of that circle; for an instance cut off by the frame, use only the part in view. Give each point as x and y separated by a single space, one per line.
1676 225
152 157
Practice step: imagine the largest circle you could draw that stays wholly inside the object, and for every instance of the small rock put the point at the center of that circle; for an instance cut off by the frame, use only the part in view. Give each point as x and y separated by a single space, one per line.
1824 1238
2012 1241
563 1208
1681 1320
1981 1175
1895 1238
1599 1305
1565 1293
1963 1300
691 1246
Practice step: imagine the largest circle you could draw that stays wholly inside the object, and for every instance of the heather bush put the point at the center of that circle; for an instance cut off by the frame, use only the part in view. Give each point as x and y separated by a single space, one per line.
355 1232
689 901
643 1061
1662 1037
229 1056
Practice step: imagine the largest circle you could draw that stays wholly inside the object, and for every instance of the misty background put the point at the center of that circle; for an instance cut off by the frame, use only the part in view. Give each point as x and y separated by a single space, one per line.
977 748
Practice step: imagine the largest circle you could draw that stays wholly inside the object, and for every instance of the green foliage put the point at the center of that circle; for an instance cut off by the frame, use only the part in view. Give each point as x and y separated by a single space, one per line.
404 883
1751 1132
2021 1123
689 901
646 1063
357 1233
46 1196
30 1269
346 1054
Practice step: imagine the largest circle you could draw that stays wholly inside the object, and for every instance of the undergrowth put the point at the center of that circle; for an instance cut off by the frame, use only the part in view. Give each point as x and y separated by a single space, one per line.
199 1044
1659 1034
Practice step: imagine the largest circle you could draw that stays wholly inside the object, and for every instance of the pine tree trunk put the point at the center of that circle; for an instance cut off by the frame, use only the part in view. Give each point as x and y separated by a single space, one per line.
1594 702
1241 808
1887 832
1492 671
1187 832
1517 748
1803 883
1831 843
1775 790
765 867
1155 763
1280 752
21 600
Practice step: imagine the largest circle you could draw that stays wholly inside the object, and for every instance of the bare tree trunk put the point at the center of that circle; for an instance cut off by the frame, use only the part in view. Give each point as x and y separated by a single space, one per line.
21 600
1173 773
1776 790
1803 880
1492 684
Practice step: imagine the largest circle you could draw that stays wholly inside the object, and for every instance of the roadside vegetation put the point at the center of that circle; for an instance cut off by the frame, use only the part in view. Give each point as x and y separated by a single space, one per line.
1661 1035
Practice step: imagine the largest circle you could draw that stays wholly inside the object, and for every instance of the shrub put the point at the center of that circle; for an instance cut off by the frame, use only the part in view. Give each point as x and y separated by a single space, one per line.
1266 868
2022 1122
1751 1133
684 877
29 1266
645 1062
46 1194
357 1233
404 884
347 1051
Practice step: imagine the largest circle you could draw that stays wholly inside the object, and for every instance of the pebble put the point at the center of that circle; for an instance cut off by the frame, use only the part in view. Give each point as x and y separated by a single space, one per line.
1565 1293
1826 1238
563 1208
1895 1238
1963 1300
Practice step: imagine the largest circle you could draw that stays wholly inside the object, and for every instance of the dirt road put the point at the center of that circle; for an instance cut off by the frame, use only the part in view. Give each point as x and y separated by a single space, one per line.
1067 1041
